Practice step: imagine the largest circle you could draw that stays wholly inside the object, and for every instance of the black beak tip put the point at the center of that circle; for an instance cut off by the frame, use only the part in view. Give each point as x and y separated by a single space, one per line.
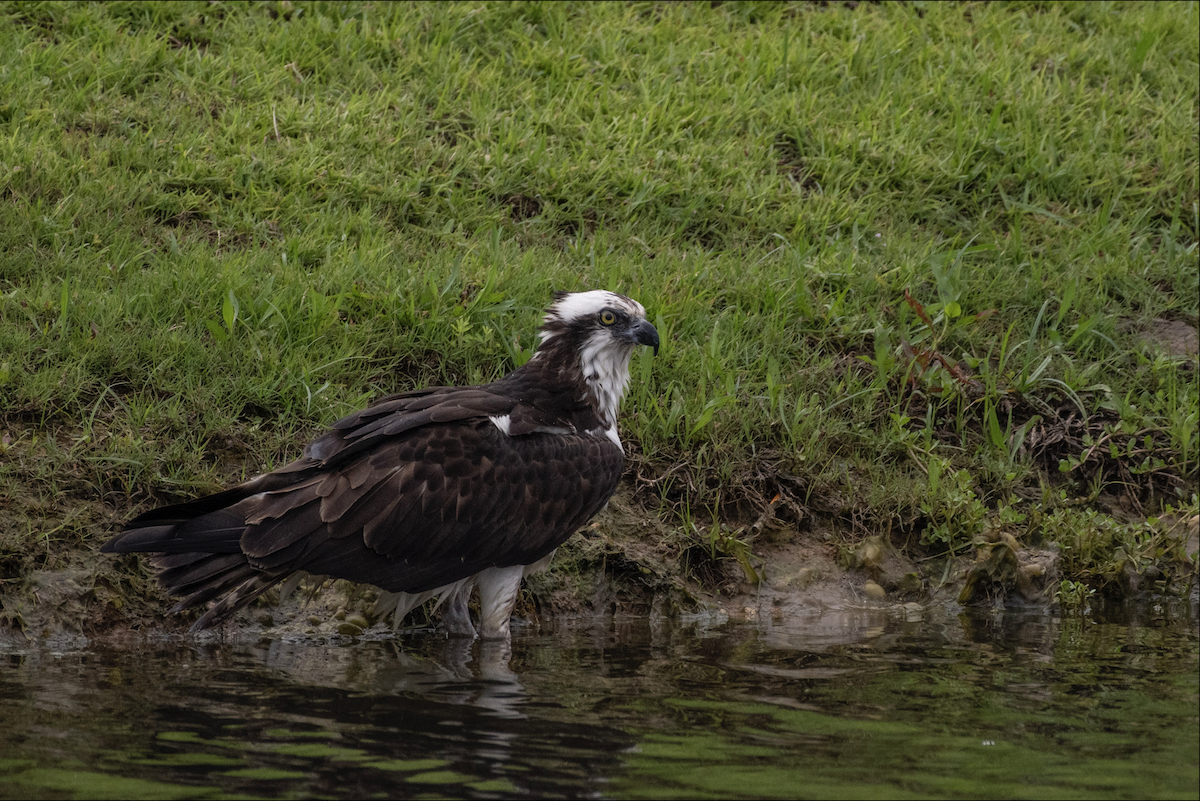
646 334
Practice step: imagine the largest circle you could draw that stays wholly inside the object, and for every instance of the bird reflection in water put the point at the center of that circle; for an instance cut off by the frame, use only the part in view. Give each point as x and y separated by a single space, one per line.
456 671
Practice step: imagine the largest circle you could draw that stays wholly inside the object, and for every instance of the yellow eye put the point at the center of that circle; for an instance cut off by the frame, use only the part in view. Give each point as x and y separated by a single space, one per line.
607 317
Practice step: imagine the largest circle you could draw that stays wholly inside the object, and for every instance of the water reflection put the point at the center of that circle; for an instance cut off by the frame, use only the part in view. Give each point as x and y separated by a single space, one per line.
865 702
455 671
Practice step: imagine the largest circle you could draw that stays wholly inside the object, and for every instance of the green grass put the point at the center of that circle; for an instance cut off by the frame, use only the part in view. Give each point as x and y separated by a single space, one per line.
225 225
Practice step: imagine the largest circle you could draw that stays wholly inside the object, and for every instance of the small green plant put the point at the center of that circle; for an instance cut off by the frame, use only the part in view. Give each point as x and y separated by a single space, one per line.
1073 595
1110 555
1007 516
702 551
956 515
725 542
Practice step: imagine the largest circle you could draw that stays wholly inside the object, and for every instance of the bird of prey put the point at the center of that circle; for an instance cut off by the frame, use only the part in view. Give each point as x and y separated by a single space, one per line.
424 493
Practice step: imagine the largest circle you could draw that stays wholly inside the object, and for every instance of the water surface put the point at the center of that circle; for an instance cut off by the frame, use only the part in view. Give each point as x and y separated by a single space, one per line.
859 704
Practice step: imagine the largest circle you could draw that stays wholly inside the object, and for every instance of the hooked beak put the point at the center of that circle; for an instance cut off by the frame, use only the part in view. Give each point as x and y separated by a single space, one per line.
643 333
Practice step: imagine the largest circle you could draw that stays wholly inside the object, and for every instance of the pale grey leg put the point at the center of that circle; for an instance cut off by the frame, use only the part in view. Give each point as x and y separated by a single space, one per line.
498 587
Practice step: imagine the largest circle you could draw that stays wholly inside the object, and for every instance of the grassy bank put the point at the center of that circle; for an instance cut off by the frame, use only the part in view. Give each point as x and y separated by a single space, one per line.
922 270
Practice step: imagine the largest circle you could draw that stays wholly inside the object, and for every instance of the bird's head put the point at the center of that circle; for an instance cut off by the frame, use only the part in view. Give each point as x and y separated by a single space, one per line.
603 328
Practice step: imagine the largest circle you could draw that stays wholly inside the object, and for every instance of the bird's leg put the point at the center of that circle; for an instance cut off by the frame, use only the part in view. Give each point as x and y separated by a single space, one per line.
498 588
455 616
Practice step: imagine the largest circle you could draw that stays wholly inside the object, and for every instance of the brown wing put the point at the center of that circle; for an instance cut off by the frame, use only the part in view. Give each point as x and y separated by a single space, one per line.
215 523
422 507
397 414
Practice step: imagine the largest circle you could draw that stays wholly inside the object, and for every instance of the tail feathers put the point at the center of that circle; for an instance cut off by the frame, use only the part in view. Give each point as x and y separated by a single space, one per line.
137 540
218 531
202 577
188 510
199 507
250 589
197 548
202 572
207 593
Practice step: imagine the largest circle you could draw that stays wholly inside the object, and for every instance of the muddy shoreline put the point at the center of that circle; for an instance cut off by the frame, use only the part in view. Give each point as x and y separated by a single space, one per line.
626 563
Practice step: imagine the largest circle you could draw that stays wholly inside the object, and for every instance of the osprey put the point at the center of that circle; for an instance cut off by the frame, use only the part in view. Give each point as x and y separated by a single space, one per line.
425 493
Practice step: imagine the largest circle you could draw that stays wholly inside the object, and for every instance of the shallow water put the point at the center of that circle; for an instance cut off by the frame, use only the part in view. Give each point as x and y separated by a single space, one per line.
860 704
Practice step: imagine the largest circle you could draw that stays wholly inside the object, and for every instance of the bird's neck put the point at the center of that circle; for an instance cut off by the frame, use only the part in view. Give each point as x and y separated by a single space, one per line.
588 378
